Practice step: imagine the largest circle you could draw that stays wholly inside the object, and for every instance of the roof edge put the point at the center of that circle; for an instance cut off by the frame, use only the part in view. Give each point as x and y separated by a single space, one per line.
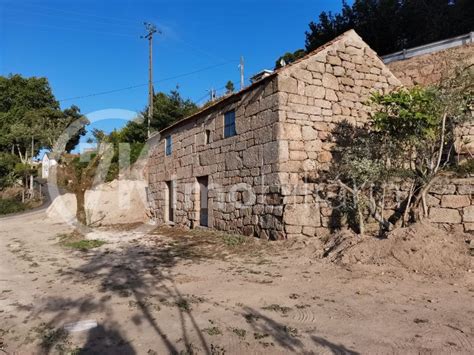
218 102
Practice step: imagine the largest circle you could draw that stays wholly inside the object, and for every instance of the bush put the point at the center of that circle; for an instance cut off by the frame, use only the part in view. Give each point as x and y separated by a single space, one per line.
11 206
7 169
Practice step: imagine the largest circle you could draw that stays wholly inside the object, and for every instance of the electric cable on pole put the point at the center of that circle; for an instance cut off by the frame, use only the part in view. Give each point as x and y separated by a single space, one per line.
151 29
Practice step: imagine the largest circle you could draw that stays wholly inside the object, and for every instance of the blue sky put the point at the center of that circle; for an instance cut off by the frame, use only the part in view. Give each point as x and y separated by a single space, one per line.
86 47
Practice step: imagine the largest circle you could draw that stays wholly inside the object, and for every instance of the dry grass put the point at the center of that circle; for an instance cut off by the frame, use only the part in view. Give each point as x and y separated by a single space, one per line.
211 244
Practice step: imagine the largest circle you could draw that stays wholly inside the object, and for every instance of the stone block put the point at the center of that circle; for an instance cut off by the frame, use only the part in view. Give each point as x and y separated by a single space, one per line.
303 75
324 157
313 145
468 214
334 60
466 189
317 67
469 227
444 215
339 71
302 215
331 95
298 155
309 133
287 84
233 161
290 131
298 99
317 92
270 152
309 231
252 157
432 201
293 229
330 81
455 201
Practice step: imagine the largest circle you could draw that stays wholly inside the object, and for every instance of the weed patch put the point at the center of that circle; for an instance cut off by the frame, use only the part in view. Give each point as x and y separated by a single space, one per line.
76 241
277 308
50 337
239 332
233 240
183 305
212 331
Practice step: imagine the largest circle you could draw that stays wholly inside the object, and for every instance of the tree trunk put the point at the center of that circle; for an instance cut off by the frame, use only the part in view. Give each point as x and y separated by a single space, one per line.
81 210
360 215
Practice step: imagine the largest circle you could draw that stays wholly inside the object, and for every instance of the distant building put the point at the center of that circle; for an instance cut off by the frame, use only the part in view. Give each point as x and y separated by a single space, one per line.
46 164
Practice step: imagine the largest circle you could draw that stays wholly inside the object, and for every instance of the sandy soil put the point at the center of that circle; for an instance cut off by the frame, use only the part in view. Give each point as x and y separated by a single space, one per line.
175 292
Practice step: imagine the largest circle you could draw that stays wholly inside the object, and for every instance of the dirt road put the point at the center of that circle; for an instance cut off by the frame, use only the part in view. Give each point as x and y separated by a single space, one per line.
179 293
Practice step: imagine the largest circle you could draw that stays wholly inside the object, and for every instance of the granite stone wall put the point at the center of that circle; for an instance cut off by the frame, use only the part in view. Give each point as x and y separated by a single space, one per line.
317 95
430 69
263 180
241 169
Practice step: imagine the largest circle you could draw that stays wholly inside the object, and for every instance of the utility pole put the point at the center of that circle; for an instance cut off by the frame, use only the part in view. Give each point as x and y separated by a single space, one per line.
31 175
151 29
212 94
242 77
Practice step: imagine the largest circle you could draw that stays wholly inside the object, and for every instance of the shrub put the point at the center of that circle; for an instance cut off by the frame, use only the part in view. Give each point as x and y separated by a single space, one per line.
11 206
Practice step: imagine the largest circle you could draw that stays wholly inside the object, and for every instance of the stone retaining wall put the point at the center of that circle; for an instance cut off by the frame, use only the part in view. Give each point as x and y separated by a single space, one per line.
451 204
430 69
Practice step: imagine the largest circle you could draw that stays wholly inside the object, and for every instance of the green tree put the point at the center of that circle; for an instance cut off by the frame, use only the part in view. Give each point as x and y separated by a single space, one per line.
31 120
290 57
229 87
8 162
411 136
29 112
392 25
169 108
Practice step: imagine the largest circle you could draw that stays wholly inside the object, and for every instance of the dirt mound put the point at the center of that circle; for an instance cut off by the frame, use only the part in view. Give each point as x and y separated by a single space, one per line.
419 248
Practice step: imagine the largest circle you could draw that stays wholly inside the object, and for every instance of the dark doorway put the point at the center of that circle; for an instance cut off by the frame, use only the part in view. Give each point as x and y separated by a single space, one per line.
203 199
170 201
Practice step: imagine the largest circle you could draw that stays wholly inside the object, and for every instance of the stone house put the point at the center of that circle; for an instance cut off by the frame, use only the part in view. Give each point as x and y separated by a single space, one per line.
242 163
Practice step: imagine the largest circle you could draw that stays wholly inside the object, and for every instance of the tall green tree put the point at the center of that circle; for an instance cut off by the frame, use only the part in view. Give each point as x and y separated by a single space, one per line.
31 120
289 57
30 113
392 25
167 109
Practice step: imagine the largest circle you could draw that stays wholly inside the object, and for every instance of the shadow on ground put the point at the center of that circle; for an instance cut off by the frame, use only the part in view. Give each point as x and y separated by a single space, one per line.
139 274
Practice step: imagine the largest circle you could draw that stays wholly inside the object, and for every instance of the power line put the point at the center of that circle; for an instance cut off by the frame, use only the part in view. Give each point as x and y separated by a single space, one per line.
70 28
142 85
83 14
202 98
80 20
